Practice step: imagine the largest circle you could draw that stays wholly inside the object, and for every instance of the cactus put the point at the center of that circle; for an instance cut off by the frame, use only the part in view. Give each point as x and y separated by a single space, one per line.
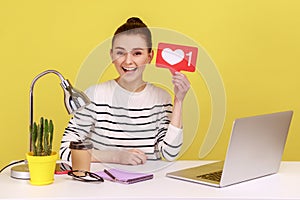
51 128
42 137
46 137
33 138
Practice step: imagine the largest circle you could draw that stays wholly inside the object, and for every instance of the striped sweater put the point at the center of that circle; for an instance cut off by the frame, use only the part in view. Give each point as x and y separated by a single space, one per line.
119 119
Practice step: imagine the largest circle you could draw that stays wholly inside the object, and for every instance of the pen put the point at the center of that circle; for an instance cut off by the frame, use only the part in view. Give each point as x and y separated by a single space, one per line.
110 175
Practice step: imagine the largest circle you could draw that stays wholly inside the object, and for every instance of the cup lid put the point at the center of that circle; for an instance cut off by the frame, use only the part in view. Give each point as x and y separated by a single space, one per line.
83 145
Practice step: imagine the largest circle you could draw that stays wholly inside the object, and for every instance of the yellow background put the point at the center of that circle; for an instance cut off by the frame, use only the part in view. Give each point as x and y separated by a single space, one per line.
255 45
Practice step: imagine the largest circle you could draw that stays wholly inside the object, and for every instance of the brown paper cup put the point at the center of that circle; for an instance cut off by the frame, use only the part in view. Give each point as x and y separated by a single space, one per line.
81 154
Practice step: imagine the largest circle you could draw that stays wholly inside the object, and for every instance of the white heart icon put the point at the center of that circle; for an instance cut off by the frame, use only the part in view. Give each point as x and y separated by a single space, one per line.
172 57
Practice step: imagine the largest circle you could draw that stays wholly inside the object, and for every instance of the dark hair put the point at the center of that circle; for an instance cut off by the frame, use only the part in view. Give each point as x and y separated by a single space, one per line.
135 26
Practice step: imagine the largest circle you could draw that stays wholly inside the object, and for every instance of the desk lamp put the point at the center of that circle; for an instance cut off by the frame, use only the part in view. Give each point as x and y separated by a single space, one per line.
74 100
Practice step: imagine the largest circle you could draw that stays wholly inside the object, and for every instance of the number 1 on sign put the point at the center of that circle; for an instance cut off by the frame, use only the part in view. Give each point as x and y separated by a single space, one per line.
190 57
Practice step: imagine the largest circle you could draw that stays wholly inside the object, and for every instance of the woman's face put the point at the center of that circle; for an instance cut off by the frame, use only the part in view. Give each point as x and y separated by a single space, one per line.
130 55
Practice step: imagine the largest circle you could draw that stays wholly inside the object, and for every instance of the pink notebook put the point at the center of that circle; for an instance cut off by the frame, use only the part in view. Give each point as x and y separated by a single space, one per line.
124 176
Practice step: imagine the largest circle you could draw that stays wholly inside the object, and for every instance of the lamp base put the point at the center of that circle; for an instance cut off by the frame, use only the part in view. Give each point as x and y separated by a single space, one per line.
20 172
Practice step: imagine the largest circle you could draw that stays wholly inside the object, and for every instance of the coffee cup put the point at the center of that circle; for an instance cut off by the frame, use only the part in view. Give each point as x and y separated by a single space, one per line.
81 154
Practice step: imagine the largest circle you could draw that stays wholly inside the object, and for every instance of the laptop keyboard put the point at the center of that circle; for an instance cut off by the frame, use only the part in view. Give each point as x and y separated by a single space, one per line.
214 176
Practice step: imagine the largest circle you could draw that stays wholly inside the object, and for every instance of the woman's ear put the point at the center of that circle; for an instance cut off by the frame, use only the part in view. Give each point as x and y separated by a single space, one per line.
111 55
151 54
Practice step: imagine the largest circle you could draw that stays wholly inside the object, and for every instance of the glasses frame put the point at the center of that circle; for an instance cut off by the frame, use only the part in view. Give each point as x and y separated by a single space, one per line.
96 177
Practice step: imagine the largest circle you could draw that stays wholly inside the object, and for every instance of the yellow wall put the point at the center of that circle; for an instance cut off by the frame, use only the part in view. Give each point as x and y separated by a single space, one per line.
255 45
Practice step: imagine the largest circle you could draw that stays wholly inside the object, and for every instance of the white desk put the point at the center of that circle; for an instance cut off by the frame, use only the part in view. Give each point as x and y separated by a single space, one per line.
284 185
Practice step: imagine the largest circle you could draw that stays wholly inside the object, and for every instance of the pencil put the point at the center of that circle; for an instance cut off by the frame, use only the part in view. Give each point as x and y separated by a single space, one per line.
110 175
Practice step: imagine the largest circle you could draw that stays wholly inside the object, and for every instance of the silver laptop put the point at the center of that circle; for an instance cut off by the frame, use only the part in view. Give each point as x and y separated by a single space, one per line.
255 150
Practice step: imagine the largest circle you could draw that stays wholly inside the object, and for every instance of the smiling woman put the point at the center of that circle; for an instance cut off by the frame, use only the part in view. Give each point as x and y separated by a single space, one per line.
130 121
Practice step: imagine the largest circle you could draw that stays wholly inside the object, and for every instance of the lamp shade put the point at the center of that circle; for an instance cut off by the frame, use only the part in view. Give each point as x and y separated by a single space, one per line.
74 99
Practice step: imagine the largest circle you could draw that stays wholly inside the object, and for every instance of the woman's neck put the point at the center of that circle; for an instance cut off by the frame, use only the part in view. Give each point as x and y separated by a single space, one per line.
136 86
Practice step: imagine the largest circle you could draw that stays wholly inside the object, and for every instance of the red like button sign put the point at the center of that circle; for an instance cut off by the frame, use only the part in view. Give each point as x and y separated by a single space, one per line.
176 57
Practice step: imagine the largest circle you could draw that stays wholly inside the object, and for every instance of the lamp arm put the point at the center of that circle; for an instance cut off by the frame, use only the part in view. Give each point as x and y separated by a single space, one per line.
44 73
31 93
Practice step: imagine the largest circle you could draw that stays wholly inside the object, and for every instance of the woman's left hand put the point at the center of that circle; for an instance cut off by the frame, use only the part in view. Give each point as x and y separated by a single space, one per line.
181 85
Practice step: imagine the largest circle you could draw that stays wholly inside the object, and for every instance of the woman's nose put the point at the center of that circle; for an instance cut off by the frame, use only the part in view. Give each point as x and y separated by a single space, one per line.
128 58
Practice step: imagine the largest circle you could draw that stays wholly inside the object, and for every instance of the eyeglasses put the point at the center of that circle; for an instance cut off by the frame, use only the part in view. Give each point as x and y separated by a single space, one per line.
85 176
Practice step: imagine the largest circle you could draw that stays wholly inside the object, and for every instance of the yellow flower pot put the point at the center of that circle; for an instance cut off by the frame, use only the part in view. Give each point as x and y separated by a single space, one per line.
41 168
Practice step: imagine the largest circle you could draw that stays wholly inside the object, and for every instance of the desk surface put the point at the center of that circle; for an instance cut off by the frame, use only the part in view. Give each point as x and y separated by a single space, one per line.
283 185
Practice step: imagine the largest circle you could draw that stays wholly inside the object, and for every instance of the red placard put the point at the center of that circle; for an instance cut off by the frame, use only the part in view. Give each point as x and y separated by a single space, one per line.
176 57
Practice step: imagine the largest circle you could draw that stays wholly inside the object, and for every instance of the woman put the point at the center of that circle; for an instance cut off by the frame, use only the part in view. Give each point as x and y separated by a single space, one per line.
130 121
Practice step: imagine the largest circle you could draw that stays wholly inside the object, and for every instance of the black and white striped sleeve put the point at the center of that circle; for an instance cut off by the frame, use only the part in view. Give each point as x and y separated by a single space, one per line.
78 129
170 137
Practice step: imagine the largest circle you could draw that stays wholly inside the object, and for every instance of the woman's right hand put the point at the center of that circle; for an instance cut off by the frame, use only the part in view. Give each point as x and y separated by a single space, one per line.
124 156
130 157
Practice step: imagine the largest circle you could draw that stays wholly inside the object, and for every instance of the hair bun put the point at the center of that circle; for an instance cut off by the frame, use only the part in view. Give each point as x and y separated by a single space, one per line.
134 20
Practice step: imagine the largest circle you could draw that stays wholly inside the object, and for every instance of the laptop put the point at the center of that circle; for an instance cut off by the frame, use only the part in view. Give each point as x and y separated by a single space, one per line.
255 150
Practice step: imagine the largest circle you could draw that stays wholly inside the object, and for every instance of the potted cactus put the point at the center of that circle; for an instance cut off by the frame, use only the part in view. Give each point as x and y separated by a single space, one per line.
42 159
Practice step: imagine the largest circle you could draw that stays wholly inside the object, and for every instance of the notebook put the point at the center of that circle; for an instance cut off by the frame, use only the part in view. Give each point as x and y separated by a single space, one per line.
125 177
255 150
